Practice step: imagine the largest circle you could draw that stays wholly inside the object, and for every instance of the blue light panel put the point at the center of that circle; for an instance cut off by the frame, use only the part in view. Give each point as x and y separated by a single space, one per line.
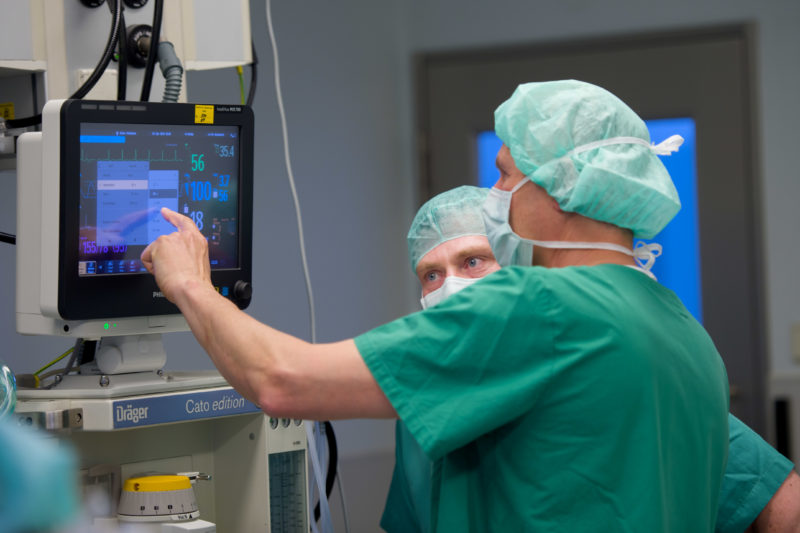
678 268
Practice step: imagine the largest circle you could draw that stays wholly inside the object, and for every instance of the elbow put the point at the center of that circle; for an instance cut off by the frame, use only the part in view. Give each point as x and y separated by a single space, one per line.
276 394
272 405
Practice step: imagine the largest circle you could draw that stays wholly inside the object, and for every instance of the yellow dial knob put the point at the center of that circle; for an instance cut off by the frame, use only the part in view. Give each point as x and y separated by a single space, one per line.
156 483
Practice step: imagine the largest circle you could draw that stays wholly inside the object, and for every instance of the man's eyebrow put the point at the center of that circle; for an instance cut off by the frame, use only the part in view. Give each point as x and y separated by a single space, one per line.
424 265
475 250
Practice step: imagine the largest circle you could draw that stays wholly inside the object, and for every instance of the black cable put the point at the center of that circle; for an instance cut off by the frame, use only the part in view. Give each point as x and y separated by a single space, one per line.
122 62
93 78
26 122
253 75
333 459
8 238
106 57
152 53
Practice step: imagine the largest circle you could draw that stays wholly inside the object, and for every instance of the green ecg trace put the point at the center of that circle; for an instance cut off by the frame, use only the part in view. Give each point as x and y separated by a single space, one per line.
163 158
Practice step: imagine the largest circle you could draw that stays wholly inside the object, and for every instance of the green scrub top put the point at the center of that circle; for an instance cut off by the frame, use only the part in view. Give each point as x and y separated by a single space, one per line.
754 473
569 399
408 504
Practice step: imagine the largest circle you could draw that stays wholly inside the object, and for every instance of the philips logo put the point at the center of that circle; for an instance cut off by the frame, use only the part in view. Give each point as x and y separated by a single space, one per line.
131 414
158 294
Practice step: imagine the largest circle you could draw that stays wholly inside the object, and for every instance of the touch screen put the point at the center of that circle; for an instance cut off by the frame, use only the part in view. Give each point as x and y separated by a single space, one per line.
128 172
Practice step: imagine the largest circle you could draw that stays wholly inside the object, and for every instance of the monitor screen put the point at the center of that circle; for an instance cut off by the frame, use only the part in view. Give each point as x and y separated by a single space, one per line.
128 172
120 163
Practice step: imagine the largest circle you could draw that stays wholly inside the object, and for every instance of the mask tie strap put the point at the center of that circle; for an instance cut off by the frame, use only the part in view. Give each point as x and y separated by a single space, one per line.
646 254
665 147
519 185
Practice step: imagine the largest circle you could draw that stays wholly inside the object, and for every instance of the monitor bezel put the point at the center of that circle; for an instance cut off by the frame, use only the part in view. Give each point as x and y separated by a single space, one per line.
137 294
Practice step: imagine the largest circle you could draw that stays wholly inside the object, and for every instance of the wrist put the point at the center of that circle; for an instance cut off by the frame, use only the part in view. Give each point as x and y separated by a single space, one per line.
191 290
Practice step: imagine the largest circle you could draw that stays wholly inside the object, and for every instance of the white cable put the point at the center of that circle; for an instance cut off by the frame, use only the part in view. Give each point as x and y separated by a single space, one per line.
344 503
289 170
325 512
311 520
321 436
312 494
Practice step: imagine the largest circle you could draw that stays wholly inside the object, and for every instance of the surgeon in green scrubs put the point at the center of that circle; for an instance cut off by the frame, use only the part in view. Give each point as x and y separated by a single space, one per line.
567 392
449 251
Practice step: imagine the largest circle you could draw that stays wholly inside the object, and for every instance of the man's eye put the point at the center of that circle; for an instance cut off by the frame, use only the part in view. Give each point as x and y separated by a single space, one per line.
431 276
473 262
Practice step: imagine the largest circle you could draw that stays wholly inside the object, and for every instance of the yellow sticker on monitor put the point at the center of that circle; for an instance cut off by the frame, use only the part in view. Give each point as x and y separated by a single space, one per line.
7 110
204 114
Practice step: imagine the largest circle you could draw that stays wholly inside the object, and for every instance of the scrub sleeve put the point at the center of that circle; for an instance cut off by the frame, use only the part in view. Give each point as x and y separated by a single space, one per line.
754 473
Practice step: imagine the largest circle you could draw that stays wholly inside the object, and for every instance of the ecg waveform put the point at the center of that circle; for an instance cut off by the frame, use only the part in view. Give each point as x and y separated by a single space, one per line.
164 156
88 189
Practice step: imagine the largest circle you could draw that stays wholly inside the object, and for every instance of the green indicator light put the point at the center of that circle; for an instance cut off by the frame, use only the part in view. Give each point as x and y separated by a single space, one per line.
105 326
113 325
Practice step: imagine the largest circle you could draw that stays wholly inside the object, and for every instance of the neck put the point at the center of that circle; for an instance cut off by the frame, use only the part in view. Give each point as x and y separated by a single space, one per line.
557 258
581 229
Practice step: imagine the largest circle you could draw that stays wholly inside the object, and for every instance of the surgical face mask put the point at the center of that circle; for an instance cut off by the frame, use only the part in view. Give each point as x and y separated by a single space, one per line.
510 249
451 285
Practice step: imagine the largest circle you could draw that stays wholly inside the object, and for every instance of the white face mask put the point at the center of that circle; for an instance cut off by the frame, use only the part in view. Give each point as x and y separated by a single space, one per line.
451 285
510 249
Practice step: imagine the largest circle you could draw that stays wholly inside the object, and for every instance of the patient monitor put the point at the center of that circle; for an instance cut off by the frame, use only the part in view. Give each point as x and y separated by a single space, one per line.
90 188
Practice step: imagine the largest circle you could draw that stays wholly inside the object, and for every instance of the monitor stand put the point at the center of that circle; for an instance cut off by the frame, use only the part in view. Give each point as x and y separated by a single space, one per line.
128 365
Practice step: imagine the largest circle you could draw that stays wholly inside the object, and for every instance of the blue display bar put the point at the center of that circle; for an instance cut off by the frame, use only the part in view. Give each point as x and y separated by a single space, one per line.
116 139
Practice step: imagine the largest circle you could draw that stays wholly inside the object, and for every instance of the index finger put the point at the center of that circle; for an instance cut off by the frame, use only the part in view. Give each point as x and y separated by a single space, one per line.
178 220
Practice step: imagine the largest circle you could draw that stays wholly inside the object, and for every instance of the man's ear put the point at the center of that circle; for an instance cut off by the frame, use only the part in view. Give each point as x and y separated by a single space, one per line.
555 204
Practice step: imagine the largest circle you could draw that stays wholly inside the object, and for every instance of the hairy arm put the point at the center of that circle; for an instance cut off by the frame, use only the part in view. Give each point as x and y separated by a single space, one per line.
782 513
285 376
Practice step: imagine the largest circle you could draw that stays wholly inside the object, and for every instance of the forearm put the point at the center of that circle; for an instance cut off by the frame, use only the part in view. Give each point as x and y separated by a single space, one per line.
284 375
782 513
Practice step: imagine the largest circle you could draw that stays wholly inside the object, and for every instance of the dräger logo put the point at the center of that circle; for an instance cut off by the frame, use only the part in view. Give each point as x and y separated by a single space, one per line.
131 414
158 294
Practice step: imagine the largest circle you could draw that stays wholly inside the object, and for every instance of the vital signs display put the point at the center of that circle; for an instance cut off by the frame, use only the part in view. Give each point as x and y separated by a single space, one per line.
119 164
128 172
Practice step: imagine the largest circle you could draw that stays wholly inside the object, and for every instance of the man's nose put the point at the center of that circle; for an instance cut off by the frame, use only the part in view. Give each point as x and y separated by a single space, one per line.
453 270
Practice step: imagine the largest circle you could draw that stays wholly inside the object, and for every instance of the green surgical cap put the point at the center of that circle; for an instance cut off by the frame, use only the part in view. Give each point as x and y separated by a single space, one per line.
449 215
624 183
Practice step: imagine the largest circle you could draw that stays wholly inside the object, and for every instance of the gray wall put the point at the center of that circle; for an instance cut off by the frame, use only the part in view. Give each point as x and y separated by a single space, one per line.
348 88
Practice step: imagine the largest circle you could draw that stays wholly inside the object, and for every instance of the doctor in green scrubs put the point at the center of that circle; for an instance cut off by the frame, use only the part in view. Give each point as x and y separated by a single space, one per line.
449 251
567 392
